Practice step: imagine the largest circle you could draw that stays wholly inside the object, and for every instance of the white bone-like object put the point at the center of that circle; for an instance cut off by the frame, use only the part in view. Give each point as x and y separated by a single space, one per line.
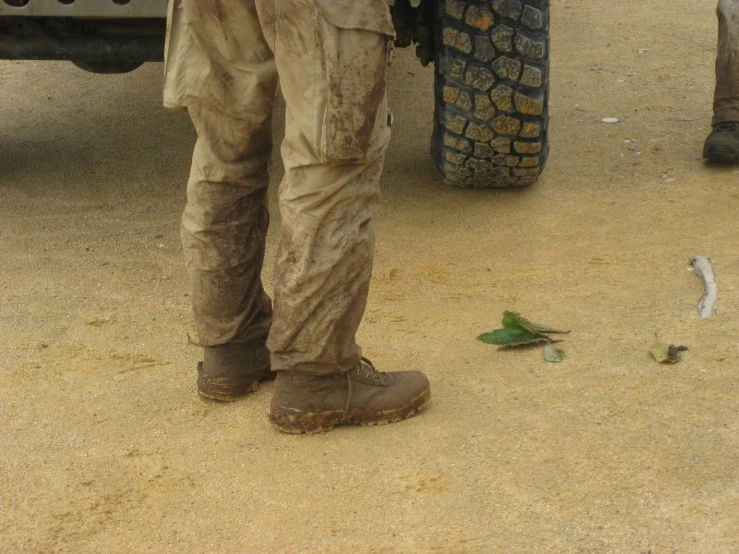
704 270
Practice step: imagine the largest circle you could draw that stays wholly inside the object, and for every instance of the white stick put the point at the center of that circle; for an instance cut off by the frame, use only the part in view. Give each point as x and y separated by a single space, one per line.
704 270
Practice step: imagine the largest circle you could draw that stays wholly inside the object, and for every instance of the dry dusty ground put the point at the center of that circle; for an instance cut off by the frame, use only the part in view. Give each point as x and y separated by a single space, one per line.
106 447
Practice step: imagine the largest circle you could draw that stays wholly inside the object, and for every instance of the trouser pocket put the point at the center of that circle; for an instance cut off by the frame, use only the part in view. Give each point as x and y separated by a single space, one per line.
355 43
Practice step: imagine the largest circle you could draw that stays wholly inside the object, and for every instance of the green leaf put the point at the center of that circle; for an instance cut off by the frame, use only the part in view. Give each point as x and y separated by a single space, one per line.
552 354
507 336
513 320
664 353
518 331
536 340
541 328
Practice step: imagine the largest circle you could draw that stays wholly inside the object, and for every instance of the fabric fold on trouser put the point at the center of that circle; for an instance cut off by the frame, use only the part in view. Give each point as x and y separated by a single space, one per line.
333 82
726 98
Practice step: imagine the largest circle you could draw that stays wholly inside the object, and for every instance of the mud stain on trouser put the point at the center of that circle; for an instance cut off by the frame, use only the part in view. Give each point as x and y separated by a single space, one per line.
726 99
333 80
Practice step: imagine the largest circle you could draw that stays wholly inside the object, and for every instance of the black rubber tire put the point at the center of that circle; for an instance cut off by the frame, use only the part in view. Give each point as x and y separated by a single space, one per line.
491 91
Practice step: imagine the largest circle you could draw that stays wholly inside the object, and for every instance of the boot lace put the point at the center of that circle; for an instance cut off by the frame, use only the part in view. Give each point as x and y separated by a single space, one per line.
367 368
727 127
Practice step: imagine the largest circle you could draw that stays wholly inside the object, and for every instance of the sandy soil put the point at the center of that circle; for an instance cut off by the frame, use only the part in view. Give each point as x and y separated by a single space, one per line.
106 447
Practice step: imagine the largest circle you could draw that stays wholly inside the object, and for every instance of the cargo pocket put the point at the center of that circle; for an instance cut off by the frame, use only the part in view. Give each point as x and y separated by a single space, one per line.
355 41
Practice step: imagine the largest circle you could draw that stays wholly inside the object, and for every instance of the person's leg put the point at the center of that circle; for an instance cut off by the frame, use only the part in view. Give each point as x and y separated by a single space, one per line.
723 142
726 97
231 83
333 81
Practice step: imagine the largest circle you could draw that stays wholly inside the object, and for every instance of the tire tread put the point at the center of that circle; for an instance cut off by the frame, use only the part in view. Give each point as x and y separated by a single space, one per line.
491 91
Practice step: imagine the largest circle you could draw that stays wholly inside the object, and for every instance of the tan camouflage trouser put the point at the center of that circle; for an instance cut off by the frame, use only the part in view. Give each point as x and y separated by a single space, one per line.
223 62
726 99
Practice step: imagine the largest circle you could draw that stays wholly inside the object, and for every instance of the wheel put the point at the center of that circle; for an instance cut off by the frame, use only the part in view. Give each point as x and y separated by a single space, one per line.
491 91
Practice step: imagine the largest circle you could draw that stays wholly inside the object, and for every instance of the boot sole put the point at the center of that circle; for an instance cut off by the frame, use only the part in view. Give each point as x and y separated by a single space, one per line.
298 422
223 389
220 391
725 154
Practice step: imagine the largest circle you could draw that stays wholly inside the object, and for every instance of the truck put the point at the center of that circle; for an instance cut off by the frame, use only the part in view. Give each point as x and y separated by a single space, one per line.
491 68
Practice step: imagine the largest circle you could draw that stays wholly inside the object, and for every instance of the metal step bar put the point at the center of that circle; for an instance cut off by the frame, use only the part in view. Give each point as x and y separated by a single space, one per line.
100 9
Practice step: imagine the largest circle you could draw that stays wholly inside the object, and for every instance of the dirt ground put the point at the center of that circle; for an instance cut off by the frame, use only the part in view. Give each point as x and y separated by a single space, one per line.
105 446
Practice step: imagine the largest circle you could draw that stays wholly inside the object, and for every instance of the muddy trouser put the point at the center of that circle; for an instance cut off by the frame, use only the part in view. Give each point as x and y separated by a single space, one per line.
331 57
726 99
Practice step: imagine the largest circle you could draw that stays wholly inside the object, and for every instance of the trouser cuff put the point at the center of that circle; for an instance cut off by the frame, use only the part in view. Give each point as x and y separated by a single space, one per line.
284 363
725 115
213 335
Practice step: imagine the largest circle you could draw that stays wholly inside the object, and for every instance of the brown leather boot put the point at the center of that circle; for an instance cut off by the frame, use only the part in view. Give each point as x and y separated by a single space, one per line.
232 370
722 145
304 403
